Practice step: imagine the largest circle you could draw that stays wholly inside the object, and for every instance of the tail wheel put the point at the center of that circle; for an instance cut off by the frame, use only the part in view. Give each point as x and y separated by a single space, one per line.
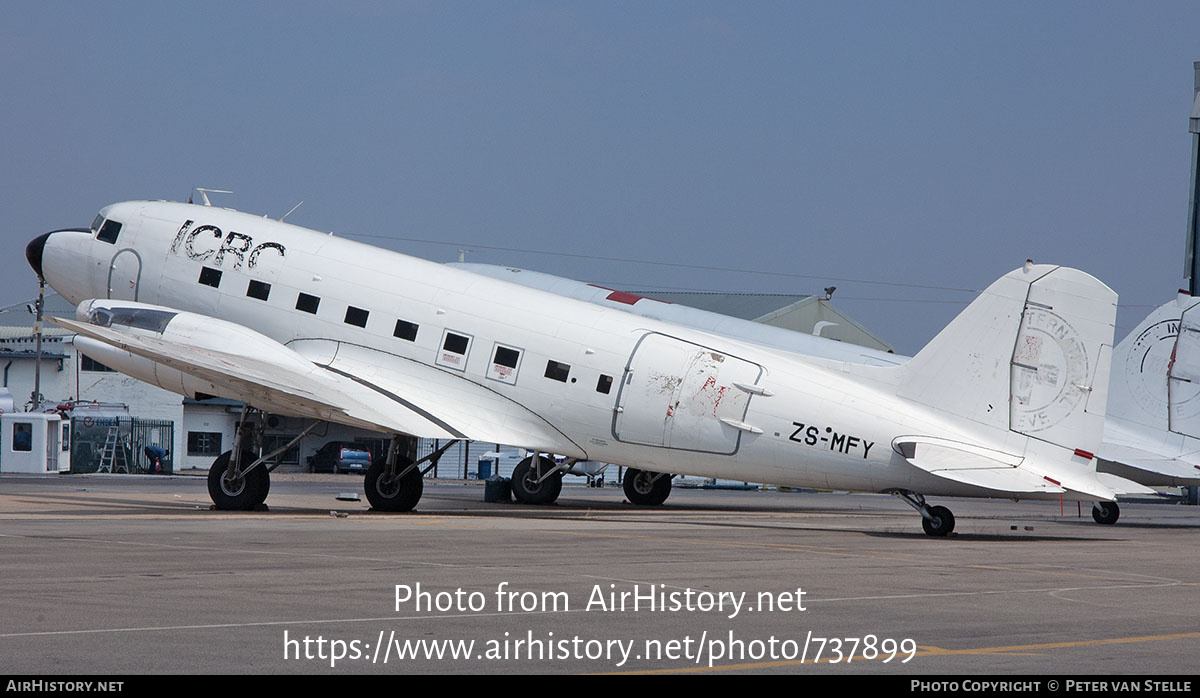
642 487
393 494
241 492
941 522
525 485
1106 512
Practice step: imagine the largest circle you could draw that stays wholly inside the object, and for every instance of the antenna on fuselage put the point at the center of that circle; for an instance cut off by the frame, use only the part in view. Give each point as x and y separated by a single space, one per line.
290 211
205 192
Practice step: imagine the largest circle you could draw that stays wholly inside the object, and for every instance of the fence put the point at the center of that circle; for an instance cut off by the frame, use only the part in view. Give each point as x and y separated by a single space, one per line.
127 437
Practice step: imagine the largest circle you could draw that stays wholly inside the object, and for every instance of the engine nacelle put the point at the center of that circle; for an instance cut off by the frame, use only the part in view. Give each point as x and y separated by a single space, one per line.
197 331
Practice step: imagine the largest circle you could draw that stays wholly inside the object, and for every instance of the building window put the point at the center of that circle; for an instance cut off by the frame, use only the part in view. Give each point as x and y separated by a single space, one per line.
259 290
356 316
22 436
109 232
557 371
210 277
307 303
204 443
406 330
274 441
87 363
604 384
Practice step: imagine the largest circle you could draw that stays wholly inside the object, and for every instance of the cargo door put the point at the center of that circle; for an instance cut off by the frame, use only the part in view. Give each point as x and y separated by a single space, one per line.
675 394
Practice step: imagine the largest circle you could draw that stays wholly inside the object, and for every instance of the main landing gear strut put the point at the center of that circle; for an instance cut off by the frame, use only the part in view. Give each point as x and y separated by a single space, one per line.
937 521
537 480
237 480
395 482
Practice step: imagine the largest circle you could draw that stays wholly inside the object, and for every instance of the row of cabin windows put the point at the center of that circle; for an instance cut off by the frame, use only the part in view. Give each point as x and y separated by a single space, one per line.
505 359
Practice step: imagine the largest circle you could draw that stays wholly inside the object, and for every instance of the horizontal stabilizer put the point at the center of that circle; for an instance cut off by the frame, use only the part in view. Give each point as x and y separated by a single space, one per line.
973 465
1122 485
1042 470
1140 459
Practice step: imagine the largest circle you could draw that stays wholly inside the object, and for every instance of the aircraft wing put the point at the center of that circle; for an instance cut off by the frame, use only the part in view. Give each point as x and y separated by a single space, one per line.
416 399
470 410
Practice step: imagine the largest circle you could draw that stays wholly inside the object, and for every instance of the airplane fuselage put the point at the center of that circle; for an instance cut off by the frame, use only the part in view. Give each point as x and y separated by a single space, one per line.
616 387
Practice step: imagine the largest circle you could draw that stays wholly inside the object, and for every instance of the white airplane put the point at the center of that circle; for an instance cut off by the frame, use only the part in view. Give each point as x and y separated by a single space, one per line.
1152 426
1007 401
1152 433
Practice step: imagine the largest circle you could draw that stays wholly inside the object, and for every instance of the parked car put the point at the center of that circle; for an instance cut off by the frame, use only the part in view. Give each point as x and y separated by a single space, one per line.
340 457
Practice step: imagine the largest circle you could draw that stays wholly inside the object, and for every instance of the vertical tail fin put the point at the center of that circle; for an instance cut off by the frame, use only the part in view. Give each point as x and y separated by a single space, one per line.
1156 380
1035 349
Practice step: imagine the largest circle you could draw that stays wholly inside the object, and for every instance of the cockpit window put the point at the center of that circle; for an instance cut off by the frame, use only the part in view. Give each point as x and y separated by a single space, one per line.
98 222
109 231
142 318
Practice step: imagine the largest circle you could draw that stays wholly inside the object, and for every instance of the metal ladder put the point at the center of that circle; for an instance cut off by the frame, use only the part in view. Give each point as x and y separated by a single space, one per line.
112 458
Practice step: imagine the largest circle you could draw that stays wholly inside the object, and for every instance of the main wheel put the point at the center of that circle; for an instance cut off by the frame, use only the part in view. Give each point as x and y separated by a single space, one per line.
525 485
399 494
642 489
1106 512
941 524
240 493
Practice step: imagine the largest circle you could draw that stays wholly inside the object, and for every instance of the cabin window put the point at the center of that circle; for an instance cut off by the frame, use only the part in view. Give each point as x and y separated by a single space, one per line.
97 222
109 231
507 357
505 361
456 343
455 348
604 384
356 316
557 371
307 303
259 290
406 330
210 277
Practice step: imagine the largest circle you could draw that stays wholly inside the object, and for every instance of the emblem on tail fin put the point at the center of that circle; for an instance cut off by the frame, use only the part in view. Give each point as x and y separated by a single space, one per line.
1147 362
1050 371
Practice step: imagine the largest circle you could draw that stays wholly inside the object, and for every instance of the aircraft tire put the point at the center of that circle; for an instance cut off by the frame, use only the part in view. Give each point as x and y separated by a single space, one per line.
243 494
643 490
1106 512
397 496
942 523
526 488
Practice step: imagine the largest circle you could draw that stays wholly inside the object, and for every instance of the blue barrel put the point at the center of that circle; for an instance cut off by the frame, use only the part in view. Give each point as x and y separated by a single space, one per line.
485 468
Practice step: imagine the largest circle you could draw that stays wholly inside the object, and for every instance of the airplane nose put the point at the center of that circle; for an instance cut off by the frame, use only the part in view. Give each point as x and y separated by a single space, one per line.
33 253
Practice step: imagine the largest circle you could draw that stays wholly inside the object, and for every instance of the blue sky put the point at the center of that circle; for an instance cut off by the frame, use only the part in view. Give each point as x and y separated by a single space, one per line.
930 145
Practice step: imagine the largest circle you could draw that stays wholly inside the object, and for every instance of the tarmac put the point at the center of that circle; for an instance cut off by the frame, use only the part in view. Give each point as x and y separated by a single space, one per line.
123 574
